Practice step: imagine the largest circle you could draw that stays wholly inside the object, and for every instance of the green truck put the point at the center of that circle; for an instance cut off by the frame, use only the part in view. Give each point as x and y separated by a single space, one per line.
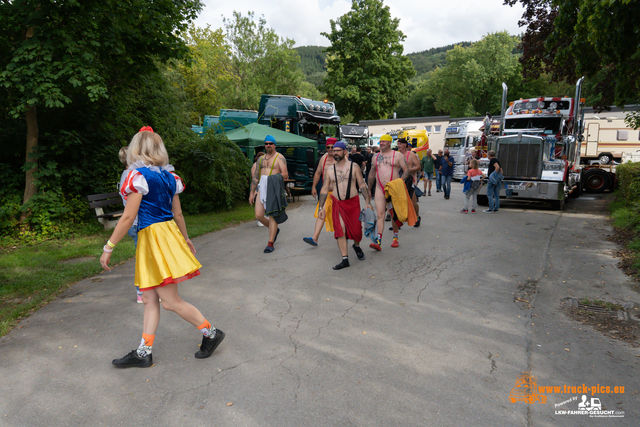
316 120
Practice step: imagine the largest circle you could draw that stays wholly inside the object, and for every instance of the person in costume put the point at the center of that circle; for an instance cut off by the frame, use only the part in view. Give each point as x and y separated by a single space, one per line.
318 178
413 163
342 177
384 168
271 163
164 254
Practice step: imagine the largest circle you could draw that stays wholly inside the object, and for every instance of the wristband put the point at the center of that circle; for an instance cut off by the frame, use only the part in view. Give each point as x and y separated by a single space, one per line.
111 245
107 249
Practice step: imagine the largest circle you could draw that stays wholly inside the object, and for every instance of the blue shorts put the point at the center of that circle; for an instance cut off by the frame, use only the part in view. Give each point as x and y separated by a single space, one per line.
428 176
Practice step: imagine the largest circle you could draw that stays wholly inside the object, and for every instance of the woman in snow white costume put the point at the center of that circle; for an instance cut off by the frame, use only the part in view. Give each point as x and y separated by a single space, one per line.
165 255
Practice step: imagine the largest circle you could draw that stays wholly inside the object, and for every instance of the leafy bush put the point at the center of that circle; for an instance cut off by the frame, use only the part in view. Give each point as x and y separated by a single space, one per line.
215 171
629 182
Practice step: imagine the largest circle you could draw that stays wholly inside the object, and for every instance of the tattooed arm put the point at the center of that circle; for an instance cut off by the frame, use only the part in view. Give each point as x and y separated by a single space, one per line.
283 167
255 179
403 165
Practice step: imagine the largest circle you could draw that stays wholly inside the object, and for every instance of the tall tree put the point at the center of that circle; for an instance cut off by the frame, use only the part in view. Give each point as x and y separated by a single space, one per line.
596 38
54 50
262 62
367 73
469 85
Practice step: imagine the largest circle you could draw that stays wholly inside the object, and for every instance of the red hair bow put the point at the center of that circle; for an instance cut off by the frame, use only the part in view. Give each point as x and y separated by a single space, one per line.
146 128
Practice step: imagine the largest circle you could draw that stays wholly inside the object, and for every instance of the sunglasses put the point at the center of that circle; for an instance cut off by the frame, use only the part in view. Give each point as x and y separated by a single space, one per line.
329 147
269 143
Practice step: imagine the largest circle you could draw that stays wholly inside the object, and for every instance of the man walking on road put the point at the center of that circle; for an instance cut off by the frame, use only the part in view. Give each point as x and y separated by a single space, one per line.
270 164
413 163
446 169
495 183
342 177
323 164
437 162
385 167
427 164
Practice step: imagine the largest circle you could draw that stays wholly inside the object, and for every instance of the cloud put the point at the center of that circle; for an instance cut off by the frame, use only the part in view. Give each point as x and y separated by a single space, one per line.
425 24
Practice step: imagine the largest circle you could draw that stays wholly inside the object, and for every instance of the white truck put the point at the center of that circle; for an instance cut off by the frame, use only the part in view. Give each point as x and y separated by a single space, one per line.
461 136
539 148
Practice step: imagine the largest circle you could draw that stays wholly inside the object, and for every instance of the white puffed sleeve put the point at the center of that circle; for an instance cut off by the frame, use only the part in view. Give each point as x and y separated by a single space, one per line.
179 183
134 183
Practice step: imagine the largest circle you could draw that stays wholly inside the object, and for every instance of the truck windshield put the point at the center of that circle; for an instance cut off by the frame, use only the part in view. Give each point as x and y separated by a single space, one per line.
545 125
453 142
315 130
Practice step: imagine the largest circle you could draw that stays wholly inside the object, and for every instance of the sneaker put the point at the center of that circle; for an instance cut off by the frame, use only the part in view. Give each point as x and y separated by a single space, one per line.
417 224
488 211
395 243
473 211
343 264
428 194
139 299
359 252
376 245
387 218
209 345
464 211
260 224
132 360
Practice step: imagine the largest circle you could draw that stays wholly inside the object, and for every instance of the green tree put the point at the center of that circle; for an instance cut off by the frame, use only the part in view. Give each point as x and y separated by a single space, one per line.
55 50
595 38
470 83
367 74
204 76
261 61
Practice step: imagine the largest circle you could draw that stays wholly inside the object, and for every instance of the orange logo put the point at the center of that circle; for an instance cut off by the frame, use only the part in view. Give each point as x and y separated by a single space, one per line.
526 390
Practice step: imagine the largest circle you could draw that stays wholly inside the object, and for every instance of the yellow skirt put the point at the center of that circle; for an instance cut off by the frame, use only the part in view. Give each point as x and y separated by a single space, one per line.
163 257
328 219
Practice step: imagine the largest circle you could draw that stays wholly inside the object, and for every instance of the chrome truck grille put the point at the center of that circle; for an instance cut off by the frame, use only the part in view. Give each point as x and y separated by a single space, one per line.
521 156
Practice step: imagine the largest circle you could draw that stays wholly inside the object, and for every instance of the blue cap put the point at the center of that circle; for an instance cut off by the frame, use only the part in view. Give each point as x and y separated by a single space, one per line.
270 138
340 144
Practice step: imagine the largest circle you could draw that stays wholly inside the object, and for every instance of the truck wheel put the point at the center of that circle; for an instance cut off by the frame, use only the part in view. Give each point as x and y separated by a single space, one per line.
483 200
605 158
596 181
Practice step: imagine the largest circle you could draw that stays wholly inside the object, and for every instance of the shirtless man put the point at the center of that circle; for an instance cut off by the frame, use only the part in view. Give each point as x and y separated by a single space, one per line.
342 176
385 167
413 162
325 162
269 164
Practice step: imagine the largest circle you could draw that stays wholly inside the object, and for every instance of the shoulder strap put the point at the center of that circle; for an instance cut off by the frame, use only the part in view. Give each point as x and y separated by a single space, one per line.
349 183
335 174
393 161
324 163
273 164
377 174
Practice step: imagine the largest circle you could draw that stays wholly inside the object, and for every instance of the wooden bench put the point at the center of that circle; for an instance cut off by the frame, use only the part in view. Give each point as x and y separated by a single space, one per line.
98 201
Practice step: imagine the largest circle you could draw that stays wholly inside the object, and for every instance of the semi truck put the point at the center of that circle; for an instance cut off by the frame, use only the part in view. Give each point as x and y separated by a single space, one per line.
315 120
539 148
355 135
460 137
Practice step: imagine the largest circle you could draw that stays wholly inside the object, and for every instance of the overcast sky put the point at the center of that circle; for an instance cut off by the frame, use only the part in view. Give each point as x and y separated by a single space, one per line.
426 24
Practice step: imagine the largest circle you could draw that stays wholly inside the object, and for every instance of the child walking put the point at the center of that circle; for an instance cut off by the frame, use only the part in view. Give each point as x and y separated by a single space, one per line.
475 176
164 254
133 231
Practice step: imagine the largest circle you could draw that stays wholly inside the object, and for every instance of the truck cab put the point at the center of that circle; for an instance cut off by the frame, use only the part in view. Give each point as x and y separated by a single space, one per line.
315 120
355 135
459 138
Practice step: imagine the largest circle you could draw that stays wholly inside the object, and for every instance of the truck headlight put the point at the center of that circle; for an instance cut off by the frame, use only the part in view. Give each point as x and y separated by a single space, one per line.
554 166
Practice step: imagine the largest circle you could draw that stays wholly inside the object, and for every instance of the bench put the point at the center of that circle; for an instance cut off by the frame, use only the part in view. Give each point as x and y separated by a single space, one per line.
98 201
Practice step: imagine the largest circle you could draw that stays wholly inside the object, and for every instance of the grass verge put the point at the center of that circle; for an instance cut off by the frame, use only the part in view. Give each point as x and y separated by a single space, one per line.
31 276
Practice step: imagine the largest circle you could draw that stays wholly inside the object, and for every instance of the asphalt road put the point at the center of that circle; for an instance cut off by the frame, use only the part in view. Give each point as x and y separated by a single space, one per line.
433 333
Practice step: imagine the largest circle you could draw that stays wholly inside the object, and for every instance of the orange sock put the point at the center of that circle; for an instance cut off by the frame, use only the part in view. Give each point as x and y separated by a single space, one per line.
148 339
206 328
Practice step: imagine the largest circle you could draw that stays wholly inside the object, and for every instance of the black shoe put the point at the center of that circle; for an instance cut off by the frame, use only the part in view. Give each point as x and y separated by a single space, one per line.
209 345
417 224
343 264
359 252
132 360
387 218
